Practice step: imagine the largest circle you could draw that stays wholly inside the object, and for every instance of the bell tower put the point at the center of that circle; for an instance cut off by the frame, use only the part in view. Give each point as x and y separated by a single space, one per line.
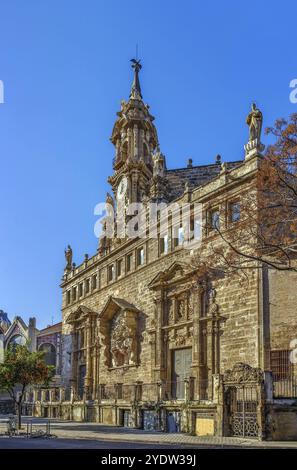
135 139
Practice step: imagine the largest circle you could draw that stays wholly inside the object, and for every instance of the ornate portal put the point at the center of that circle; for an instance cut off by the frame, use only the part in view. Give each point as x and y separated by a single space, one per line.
119 333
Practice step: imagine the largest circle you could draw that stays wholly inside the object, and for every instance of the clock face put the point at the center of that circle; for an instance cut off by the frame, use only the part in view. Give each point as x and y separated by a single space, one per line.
122 188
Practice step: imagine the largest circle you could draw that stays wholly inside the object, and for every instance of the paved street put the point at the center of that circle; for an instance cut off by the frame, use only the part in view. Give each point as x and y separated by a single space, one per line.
70 434
24 443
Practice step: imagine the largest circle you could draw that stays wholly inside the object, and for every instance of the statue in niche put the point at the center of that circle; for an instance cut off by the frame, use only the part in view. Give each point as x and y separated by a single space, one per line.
181 307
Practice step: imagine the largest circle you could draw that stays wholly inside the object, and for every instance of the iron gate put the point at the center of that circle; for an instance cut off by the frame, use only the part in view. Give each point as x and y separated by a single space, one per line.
243 407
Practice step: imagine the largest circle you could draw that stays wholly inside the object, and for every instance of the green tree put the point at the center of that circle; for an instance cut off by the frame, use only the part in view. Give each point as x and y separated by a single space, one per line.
20 370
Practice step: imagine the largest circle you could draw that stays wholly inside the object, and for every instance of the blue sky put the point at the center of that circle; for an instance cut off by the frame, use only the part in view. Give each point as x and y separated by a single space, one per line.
65 68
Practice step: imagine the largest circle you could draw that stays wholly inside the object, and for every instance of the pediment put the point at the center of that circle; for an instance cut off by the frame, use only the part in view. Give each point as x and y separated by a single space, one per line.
119 332
114 304
80 314
177 272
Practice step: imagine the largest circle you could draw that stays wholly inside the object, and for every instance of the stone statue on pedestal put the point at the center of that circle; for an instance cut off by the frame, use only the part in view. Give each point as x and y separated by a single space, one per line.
254 120
68 257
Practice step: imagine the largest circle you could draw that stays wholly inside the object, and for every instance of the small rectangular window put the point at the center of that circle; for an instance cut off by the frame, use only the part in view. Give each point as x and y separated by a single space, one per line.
68 296
234 212
80 289
140 256
280 364
214 219
164 245
87 286
94 281
119 267
129 262
74 293
120 391
111 272
179 238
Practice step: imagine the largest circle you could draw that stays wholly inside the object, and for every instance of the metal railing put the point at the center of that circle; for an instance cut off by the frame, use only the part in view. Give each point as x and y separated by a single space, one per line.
36 429
284 387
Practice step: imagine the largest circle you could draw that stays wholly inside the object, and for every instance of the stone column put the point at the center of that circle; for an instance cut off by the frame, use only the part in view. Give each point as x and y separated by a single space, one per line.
135 142
134 187
196 339
52 395
35 395
94 373
210 356
218 398
72 393
160 390
62 394
216 346
187 389
160 348
88 360
73 379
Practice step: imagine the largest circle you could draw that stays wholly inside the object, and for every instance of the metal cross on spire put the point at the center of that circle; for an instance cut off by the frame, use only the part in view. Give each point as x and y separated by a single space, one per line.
136 90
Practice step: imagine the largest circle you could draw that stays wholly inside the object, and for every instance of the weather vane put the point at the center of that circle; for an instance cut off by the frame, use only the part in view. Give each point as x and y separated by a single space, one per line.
136 65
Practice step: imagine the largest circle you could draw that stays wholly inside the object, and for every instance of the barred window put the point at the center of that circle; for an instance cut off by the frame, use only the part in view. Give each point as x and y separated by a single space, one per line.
281 366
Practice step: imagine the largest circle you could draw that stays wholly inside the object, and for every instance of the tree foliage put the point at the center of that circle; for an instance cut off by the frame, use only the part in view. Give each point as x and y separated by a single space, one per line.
265 233
21 369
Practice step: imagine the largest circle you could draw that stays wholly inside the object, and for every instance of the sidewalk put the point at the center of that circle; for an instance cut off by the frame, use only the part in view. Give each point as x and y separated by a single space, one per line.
94 431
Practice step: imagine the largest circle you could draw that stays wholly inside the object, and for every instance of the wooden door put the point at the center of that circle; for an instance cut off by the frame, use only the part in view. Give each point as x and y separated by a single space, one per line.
181 365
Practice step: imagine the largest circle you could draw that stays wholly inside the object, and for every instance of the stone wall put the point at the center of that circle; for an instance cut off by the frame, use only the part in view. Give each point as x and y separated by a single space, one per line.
282 308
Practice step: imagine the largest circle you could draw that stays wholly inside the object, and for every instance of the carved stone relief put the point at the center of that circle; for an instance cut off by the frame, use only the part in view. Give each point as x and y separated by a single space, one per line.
243 373
123 339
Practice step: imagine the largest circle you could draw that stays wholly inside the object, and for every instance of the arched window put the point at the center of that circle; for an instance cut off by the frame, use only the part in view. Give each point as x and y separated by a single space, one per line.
17 340
49 353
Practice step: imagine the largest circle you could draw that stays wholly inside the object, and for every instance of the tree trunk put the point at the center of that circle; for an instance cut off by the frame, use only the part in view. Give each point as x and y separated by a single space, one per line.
19 414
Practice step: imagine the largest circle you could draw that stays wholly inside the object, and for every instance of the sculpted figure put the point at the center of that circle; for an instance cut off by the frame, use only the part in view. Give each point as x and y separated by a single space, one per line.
254 121
68 257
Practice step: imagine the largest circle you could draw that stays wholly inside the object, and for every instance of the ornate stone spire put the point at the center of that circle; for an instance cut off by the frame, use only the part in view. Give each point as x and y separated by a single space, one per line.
136 141
136 90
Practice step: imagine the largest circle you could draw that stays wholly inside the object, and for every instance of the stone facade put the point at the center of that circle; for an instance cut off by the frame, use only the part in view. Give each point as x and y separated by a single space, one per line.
148 342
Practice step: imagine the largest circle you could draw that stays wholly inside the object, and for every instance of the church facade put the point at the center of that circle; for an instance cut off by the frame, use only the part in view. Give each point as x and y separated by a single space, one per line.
148 340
